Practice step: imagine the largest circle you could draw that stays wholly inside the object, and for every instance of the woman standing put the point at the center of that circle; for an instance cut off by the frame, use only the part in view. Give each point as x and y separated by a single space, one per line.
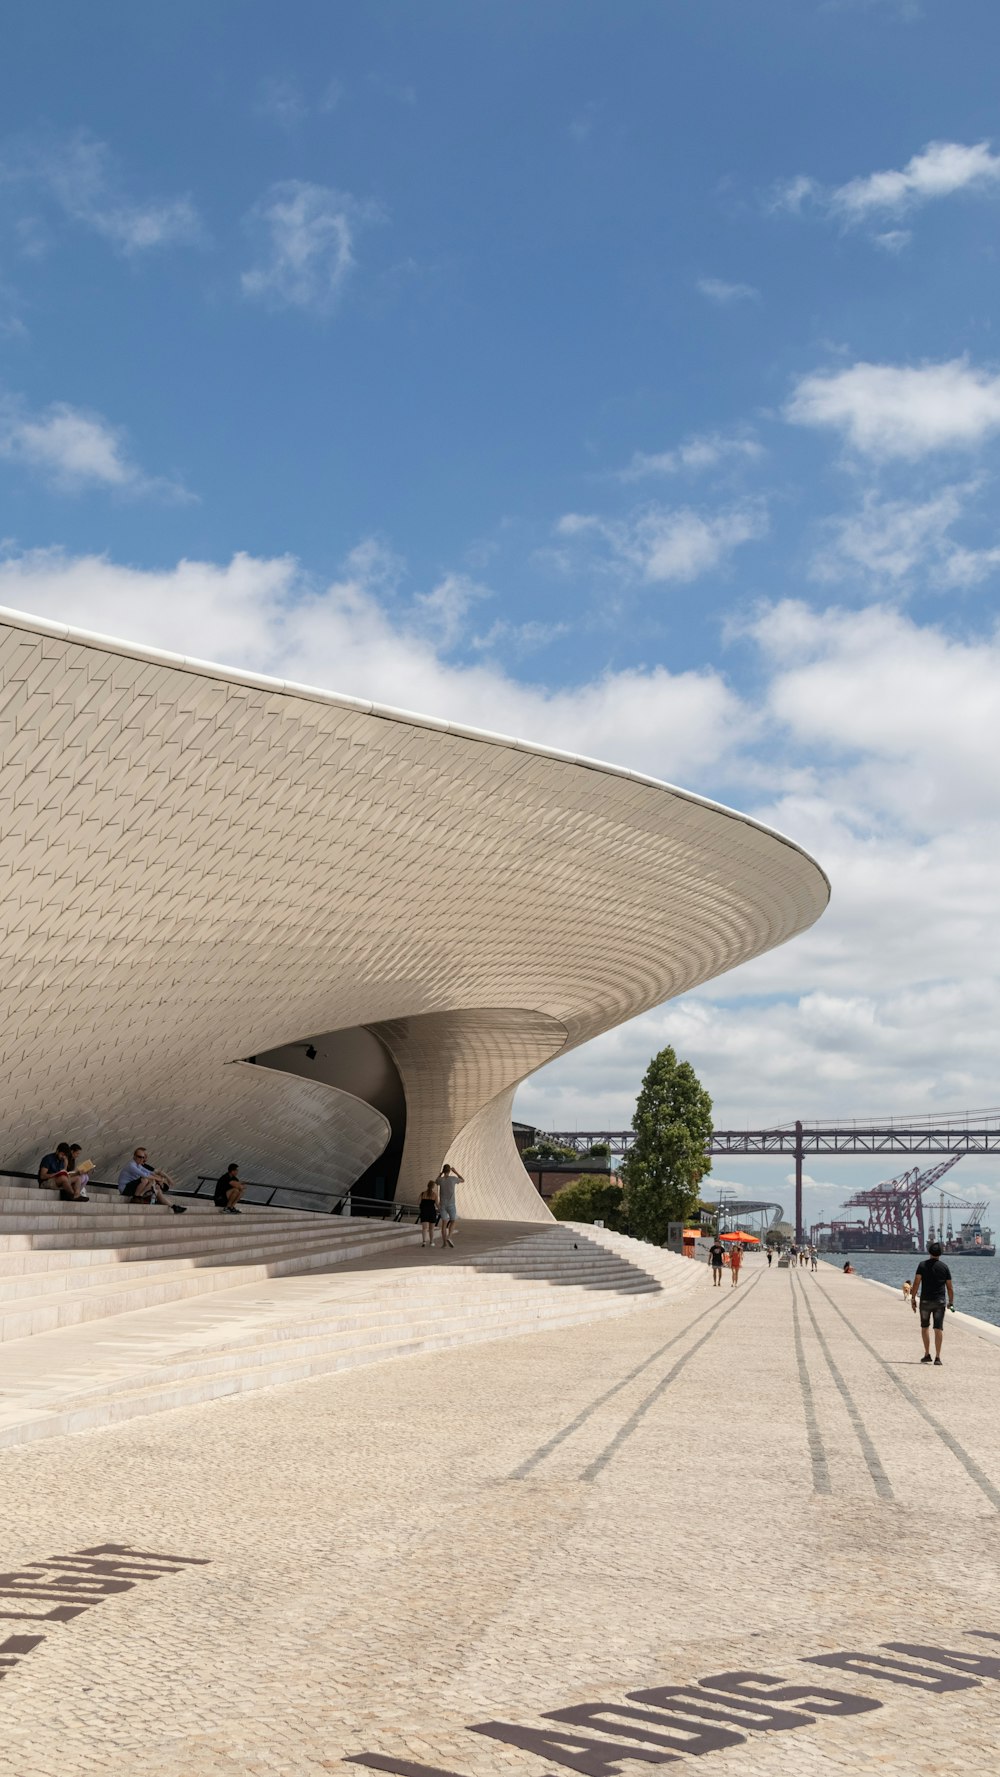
428 1213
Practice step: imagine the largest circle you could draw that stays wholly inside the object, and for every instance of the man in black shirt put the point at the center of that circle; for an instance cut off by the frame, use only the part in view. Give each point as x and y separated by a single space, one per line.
716 1254
934 1290
229 1189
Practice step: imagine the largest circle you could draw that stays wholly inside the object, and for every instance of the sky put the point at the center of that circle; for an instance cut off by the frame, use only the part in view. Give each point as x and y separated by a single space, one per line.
625 378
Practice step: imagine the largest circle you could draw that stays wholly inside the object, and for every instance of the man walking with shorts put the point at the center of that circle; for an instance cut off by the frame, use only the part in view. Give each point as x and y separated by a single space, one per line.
716 1254
934 1290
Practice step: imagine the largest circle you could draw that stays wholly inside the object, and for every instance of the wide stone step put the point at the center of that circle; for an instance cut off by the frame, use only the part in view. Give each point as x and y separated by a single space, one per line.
43 1312
160 1228
282 1362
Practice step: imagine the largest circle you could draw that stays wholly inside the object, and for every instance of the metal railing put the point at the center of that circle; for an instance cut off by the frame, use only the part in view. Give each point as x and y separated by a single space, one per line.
382 1207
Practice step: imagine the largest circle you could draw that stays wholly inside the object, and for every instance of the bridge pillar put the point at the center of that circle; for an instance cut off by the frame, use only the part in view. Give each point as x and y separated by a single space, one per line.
800 1232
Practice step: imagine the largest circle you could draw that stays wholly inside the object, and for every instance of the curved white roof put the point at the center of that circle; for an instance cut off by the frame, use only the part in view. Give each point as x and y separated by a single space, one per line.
199 864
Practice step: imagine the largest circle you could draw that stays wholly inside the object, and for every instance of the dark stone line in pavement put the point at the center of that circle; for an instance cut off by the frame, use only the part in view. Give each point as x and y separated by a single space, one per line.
969 1463
883 1486
531 1462
814 1437
625 1431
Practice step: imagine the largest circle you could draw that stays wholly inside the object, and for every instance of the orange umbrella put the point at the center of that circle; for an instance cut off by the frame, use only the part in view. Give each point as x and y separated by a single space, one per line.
751 1239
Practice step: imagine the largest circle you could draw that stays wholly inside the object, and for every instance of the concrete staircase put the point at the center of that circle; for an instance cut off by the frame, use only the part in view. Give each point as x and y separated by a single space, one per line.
112 1311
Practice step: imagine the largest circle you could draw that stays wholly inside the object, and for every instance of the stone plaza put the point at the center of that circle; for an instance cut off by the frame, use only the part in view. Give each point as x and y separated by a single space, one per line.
375 1564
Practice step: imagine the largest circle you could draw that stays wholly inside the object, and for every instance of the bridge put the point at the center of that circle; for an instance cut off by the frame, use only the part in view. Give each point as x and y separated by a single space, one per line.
973 1132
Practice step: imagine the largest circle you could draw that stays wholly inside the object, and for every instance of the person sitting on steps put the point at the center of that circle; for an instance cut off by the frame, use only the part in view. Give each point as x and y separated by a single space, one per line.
56 1172
229 1189
142 1183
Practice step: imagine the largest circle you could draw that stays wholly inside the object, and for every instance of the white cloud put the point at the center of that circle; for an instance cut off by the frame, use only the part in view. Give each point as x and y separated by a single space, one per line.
442 611
352 636
717 290
895 541
80 176
891 410
659 544
306 236
872 741
75 450
942 169
702 451
875 749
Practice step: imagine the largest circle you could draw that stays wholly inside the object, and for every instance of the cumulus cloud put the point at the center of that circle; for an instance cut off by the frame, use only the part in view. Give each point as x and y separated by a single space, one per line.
939 170
717 290
306 237
942 169
354 636
660 544
80 176
896 541
874 748
74 450
702 451
894 410
871 740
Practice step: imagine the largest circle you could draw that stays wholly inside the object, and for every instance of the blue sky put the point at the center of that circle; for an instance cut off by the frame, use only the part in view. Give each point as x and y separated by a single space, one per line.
625 377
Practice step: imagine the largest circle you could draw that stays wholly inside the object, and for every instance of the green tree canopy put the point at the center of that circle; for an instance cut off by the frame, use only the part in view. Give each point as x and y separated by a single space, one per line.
667 1161
548 1150
593 1199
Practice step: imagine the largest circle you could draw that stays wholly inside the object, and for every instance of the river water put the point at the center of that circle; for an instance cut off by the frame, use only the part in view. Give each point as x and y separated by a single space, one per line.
977 1281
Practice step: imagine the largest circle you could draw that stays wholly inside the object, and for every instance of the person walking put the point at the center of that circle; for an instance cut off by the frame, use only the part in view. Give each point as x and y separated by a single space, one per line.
428 1213
735 1261
933 1289
813 1259
716 1255
770 1257
446 1181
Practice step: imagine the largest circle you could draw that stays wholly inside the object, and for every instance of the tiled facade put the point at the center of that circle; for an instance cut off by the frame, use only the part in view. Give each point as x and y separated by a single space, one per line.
198 865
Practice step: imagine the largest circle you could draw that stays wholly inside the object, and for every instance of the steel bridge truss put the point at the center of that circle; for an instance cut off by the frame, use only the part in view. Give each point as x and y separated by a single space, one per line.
798 1141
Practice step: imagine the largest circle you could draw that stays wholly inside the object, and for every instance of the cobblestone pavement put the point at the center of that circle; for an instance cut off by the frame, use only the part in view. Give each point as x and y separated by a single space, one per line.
733 1482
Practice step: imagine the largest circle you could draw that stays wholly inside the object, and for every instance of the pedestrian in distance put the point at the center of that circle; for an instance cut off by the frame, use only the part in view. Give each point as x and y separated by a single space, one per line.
446 1181
229 1189
813 1259
770 1257
735 1261
716 1256
933 1291
428 1213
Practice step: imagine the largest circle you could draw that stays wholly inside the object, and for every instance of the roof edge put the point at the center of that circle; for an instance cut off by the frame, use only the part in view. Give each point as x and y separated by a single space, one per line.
86 638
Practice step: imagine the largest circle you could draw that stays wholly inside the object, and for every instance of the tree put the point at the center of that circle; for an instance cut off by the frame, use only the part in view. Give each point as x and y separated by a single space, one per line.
594 1199
599 1150
667 1161
544 1150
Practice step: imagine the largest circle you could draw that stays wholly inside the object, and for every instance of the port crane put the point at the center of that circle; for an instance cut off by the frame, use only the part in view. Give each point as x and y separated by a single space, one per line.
895 1209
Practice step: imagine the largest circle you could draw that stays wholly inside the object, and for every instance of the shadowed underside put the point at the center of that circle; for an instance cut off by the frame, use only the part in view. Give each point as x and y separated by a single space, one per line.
199 866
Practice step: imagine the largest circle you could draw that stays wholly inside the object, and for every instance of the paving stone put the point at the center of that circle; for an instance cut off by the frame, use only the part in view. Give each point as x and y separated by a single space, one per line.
378 1580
